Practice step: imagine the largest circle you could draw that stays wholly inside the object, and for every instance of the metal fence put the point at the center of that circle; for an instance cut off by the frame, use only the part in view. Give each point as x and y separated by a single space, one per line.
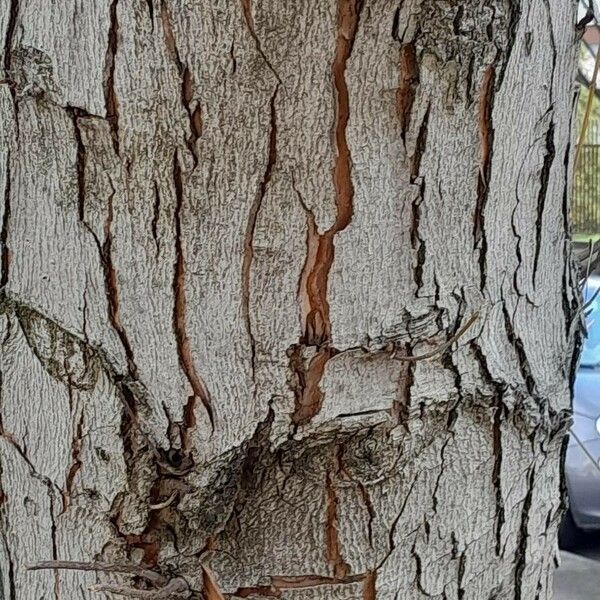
585 208
585 211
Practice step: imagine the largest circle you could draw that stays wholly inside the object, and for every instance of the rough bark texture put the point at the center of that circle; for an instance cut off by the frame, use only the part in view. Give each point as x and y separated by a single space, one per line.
225 227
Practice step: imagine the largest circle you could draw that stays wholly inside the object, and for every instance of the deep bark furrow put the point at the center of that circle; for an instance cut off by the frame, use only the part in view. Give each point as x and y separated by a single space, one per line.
194 115
497 473
156 218
486 140
110 94
420 145
5 257
13 12
523 536
184 350
112 289
418 244
79 163
550 154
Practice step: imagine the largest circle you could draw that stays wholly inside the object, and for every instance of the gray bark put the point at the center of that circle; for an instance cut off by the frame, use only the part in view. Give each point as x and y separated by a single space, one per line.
226 226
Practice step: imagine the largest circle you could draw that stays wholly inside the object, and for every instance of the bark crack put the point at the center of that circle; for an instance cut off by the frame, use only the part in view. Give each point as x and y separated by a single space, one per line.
112 288
549 157
486 139
497 473
523 535
110 95
13 12
420 145
187 83
5 222
76 463
184 349
409 79
312 296
80 161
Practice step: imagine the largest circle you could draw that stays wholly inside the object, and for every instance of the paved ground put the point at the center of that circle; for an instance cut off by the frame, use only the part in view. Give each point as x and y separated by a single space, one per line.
578 577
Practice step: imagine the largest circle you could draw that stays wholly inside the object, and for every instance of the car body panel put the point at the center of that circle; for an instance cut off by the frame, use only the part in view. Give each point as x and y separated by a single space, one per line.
582 464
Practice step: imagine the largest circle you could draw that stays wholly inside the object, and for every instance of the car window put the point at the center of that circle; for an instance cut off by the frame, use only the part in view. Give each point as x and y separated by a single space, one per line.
590 356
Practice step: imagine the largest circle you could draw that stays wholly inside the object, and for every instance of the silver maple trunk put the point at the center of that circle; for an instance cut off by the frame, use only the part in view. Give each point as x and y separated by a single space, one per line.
227 227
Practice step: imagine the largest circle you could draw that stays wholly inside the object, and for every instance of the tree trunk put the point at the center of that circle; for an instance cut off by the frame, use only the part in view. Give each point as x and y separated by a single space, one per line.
230 231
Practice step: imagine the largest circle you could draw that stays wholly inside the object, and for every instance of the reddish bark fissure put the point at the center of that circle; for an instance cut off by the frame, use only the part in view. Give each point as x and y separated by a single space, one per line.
320 247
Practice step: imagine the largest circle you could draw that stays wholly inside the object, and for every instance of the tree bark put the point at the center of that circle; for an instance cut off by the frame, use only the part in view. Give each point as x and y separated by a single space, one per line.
229 230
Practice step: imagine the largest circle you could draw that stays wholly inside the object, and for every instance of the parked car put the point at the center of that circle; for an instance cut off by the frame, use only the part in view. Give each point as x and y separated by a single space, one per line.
582 465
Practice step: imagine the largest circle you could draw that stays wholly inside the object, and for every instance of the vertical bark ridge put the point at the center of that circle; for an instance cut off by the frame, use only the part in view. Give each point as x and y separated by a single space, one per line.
187 83
184 350
249 21
251 226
